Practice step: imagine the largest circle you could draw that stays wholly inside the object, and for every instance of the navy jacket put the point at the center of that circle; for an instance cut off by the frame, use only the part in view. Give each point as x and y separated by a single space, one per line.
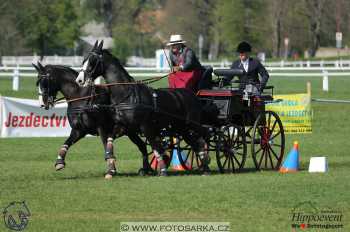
255 68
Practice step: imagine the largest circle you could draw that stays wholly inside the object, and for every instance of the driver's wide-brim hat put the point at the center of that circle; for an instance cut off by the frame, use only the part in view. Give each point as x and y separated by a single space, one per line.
244 47
175 39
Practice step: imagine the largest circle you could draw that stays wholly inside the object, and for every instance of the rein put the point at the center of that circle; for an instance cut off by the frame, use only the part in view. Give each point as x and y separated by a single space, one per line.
61 100
145 81
137 82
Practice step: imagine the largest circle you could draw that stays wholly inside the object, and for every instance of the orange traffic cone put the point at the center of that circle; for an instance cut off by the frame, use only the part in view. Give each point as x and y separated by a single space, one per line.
155 164
291 163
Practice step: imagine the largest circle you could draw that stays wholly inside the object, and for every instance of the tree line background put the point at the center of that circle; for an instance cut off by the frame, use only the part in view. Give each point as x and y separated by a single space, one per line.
138 27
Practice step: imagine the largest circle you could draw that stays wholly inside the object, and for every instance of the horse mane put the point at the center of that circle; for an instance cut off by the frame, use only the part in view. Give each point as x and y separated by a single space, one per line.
63 68
117 62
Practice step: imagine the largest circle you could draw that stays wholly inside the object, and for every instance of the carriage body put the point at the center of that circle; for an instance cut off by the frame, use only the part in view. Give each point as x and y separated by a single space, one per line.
232 106
239 120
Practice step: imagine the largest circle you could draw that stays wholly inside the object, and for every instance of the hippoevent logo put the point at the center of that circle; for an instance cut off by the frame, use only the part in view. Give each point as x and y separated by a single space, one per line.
306 216
33 120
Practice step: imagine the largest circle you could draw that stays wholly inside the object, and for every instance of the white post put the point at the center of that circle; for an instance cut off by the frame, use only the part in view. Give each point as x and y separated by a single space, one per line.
15 79
222 64
336 64
308 64
325 81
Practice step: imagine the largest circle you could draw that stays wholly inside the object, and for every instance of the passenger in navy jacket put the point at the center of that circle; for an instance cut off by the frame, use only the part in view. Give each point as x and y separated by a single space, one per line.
251 68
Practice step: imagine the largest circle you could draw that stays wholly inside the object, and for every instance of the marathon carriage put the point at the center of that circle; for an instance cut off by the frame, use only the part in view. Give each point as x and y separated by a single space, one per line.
242 125
221 120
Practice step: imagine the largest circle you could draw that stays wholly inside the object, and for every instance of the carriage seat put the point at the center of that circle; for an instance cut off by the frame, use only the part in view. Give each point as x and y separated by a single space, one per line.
206 80
228 72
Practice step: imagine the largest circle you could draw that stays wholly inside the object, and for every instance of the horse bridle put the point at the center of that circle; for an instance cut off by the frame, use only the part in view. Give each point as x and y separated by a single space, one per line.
99 61
47 91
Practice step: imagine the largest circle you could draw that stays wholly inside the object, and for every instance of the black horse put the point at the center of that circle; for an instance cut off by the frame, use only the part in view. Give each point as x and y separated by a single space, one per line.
88 113
137 107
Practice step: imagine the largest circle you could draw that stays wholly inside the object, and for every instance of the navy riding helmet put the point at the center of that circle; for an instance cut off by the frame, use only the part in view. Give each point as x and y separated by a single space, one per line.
244 47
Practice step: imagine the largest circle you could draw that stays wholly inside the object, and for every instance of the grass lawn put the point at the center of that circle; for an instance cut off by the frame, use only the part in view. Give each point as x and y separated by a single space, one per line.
79 199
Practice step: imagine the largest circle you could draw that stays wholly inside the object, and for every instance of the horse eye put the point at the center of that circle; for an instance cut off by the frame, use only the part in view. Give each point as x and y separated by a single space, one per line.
45 83
91 65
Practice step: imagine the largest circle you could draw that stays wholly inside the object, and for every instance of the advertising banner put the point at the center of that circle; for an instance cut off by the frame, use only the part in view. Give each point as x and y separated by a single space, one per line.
25 118
294 111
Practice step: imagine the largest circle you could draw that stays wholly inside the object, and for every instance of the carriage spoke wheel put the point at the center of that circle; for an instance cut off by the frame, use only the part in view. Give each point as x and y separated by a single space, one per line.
268 141
187 156
152 160
231 149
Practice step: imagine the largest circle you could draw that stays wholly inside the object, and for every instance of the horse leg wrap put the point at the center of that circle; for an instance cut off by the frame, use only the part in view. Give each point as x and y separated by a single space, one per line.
62 153
60 164
109 149
111 169
111 164
203 155
160 160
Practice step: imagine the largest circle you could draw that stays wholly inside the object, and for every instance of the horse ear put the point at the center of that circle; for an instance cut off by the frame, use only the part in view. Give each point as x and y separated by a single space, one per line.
95 46
36 67
100 46
41 67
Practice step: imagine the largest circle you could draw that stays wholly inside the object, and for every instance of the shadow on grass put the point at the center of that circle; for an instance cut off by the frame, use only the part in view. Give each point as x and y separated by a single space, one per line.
98 175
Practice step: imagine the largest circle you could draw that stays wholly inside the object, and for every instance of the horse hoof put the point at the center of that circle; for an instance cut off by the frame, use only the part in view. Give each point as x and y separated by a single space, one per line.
163 173
108 176
59 167
206 172
142 172
110 173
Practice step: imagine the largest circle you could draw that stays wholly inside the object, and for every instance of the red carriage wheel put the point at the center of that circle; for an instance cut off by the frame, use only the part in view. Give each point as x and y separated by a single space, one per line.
268 141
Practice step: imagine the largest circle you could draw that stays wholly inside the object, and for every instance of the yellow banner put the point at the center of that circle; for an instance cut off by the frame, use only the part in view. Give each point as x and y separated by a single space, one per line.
294 111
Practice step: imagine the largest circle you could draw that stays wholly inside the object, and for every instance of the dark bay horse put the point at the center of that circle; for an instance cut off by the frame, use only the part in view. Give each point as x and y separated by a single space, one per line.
87 114
138 107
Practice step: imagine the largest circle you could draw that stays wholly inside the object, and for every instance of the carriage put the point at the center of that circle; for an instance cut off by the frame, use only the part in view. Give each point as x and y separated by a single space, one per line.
243 126
224 120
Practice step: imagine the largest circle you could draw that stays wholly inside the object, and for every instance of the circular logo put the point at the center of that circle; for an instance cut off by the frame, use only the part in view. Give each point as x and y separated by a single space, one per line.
16 216
124 227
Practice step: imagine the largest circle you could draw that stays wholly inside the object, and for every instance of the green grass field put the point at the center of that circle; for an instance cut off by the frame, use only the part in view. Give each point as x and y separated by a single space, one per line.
79 199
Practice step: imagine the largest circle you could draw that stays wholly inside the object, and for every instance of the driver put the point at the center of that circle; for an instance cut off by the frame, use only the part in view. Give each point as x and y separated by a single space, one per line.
251 68
187 70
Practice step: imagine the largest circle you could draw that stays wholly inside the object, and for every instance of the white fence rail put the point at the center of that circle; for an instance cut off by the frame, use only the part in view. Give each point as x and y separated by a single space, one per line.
151 62
17 72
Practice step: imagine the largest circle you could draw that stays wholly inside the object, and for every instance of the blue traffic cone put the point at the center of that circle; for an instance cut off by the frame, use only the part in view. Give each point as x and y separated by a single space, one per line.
175 162
291 163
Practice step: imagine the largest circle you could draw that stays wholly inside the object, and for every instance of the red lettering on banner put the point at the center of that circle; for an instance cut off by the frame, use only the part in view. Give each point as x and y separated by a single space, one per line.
8 123
58 120
64 121
37 121
29 120
21 121
51 120
44 122
33 120
14 121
